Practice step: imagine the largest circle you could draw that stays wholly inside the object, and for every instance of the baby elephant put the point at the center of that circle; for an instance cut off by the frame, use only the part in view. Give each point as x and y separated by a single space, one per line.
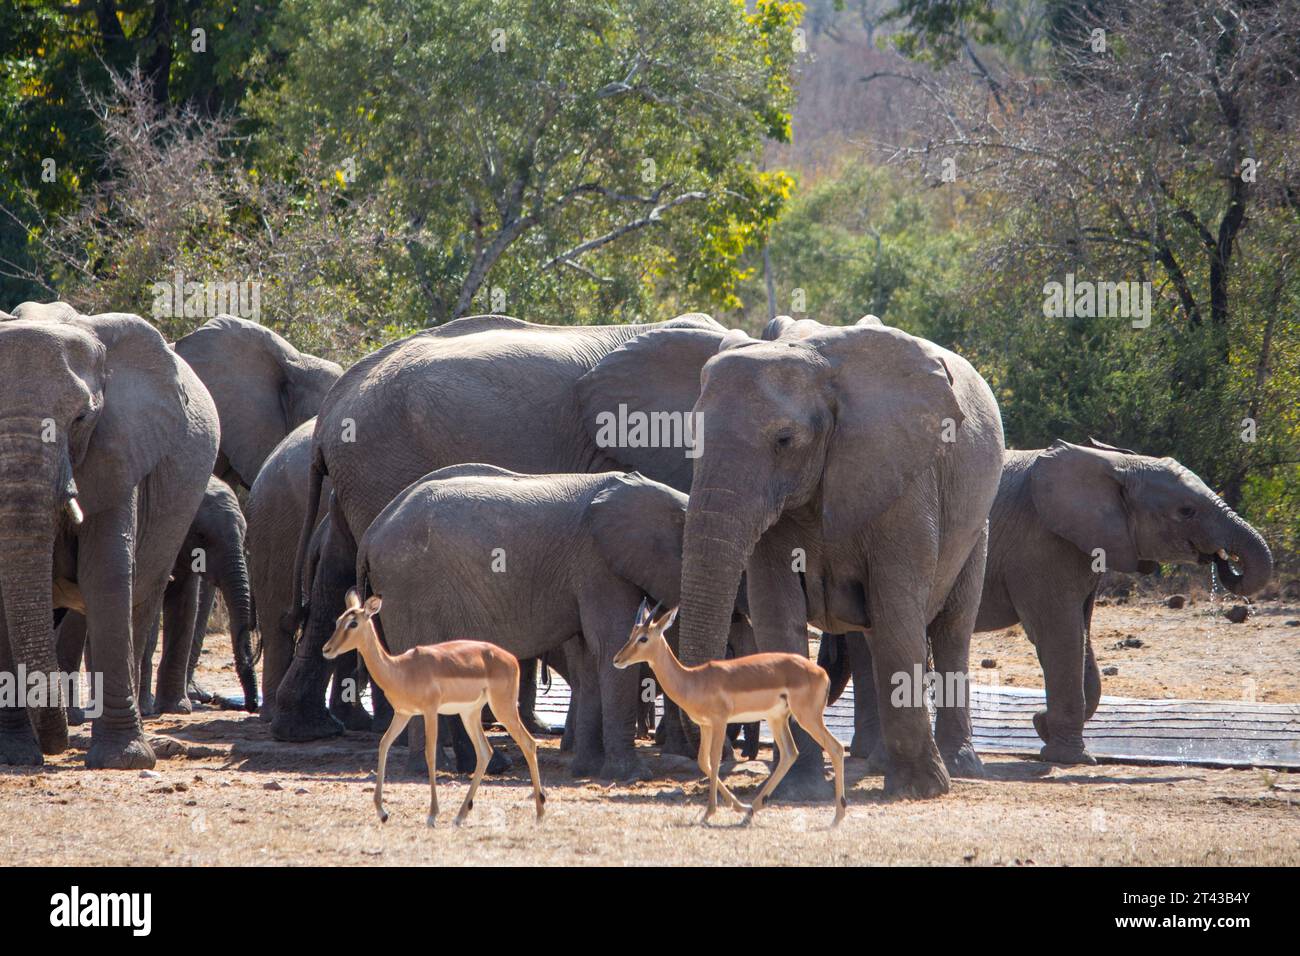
528 562
457 677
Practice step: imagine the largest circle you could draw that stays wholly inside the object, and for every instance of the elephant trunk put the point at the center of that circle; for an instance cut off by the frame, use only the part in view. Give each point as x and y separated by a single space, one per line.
1247 550
233 572
721 531
28 523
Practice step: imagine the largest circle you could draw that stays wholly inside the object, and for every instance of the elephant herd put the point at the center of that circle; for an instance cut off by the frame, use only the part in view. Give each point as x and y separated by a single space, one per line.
850 478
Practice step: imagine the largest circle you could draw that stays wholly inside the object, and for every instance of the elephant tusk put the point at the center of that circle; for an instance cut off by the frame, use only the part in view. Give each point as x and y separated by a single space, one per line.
74 511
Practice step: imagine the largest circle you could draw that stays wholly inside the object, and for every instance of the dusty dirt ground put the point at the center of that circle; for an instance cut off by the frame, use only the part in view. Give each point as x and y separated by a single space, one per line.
237 797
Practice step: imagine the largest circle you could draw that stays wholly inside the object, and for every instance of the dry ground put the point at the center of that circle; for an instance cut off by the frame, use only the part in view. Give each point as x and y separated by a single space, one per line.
237 797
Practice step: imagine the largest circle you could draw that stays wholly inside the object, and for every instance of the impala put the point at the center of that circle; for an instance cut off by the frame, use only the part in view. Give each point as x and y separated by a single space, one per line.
771 687
454 677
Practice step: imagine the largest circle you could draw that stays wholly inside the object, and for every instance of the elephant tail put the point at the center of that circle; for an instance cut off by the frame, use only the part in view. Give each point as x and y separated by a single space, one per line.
545 664
316 478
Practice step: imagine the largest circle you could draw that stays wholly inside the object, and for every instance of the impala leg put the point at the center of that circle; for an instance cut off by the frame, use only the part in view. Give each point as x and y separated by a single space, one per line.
788 751
507 712
395 728
815 724
706 764
717 739
431 758
473 722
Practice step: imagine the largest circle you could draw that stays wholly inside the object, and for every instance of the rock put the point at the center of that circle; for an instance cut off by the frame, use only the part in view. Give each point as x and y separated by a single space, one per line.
1293 623
1291 590
1110 671
1129 641
988 663
273 785
301 790
1176 601
1237 614
150 774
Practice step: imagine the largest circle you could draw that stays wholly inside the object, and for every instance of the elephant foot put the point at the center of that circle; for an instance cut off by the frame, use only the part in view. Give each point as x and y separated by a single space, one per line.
498 764
673 739
179 705
878 760
18 748
624 769
298 726
120 753
1040 725
76 716
921 780
248 683
196 691
535 726
964 762
587 765
147 704
805 782
353 718
1067 753
865 744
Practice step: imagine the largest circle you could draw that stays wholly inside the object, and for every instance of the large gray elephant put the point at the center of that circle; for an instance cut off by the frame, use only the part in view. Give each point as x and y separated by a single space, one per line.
532 398
849 472
107 440
1060 513
262 386
526 562
213 550
276 509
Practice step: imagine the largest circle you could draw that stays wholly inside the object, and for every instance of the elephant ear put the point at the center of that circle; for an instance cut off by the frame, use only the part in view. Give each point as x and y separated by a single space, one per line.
637 526
893 401
251 373
658 371
1079 494
1102 446
143 414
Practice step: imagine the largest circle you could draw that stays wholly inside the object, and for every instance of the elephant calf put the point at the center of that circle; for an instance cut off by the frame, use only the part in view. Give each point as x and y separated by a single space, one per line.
528 562
213 551
1059 513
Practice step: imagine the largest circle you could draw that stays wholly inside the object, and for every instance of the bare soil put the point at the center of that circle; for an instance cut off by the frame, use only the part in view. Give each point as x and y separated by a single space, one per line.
231 795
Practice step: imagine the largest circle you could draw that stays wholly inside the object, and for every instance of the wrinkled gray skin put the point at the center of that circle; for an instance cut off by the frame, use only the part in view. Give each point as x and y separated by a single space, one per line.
276 508
132 435
579 552
215 543
486 389
1054 507
832 441
262 386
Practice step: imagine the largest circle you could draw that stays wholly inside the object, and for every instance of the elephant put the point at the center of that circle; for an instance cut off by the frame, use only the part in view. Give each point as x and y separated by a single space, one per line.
276 509
526 562
849 473
213 550
532 398
106 443
263 388
1059 512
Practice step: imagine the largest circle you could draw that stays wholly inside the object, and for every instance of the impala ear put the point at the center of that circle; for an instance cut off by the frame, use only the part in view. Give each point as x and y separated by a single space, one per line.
642 613
666 621
373 604
352 600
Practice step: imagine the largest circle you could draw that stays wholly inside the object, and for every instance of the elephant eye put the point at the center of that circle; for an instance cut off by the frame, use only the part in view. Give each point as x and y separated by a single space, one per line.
1186 511
784 441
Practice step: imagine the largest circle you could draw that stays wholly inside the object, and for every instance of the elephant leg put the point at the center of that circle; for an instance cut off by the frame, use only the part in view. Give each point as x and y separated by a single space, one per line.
1057 631
606 626
866 705
144 696
779 614
18 746
105 563
589 747
277 654
573 651
70 649
898 650
1091 673
207 596
528 697
950 634
345 692
300 711
180 606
